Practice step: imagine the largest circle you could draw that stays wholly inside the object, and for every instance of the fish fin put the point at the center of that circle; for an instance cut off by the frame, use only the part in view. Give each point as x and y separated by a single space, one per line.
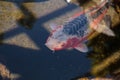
82 48
104 27
108 24
53 26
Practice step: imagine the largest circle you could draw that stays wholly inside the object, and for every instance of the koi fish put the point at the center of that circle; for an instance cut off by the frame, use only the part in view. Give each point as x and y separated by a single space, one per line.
76 32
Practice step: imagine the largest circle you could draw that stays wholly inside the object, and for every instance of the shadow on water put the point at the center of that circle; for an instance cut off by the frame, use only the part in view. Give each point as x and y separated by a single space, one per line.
37 64
28 18
39 28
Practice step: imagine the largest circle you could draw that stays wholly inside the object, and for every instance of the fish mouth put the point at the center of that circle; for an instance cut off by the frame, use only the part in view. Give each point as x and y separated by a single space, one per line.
54 48
51 48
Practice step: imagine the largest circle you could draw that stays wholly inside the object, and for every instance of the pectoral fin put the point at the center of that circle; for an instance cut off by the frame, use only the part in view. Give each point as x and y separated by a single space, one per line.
104 27
82 48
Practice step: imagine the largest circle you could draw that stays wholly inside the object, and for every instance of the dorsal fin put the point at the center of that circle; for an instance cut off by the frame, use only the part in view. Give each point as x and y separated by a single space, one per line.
104 27
82 48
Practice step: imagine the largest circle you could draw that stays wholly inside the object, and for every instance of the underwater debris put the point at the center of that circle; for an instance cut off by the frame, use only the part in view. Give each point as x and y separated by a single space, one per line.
117 5
105 63
105 55
6 74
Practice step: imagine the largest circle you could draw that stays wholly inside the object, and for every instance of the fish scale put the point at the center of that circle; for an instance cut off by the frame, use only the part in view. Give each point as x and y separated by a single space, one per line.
77 26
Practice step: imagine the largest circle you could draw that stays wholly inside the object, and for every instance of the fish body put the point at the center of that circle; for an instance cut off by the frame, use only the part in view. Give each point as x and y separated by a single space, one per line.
76 32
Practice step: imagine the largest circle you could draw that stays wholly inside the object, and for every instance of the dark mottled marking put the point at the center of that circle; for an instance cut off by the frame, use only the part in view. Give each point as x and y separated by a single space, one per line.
77 26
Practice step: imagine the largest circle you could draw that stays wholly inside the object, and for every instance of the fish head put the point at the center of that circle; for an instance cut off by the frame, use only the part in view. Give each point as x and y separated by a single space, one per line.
57 40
